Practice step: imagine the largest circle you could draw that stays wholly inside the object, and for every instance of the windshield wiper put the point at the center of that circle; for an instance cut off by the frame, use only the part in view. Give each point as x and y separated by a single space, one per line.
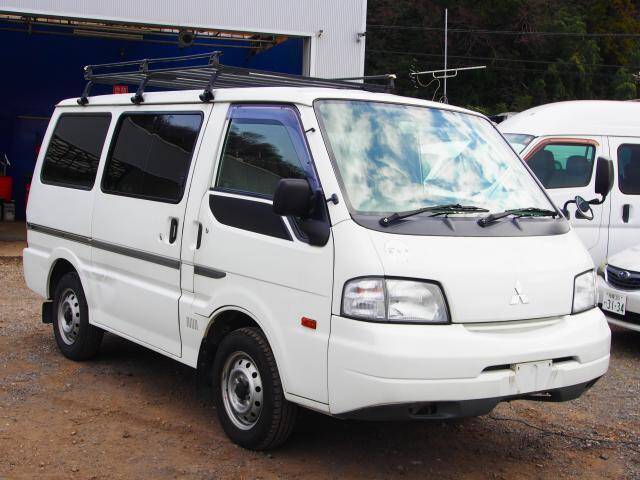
517 212
436 209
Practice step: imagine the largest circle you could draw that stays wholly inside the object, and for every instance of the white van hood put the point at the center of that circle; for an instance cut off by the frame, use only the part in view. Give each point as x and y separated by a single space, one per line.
488 279
628 259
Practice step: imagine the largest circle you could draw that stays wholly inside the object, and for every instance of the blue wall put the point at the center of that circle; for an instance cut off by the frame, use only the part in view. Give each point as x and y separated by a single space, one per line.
39 70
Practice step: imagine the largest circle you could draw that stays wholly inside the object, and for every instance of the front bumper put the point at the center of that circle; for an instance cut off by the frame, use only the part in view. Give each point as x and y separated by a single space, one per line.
631 320
381 365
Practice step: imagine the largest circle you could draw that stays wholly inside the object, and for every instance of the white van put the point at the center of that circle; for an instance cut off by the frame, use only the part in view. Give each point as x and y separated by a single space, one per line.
562 142
360 254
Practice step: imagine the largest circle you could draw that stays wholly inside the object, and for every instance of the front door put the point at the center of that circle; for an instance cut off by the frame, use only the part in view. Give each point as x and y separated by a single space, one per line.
565 166
137 225
624 230
251 258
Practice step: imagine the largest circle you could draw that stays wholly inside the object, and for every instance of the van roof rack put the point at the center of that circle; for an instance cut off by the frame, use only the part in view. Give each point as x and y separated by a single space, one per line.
190 72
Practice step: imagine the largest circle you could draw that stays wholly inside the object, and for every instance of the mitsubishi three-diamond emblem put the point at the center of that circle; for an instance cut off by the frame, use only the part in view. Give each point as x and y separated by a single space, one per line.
519 296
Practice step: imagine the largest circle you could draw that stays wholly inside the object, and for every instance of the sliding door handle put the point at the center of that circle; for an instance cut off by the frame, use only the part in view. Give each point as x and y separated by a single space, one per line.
626 209
173 230
199 239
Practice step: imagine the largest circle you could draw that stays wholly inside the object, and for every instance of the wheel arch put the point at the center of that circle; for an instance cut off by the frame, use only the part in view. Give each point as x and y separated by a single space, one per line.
59 268
62 261
222 322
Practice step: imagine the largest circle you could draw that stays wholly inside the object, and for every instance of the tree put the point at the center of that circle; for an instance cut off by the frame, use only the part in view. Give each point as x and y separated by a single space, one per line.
535 51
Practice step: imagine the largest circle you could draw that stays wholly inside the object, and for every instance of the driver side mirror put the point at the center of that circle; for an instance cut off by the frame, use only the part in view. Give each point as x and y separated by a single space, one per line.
294 198
604 179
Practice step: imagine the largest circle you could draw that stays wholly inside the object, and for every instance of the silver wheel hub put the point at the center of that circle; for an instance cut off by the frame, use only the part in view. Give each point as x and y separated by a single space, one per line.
241 387
69 317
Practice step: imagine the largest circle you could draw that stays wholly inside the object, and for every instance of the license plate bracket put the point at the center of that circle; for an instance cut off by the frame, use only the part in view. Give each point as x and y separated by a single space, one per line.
532 376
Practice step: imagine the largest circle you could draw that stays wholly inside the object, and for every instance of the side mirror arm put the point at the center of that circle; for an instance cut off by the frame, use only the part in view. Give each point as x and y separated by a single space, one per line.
565 209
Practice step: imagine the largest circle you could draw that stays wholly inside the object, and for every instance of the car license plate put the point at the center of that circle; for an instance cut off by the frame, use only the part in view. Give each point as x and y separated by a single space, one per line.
614 303
532 376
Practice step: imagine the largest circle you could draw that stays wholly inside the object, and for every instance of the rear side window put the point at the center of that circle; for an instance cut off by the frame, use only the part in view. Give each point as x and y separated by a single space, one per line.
151 154
629 169
563 165
263 145
74 150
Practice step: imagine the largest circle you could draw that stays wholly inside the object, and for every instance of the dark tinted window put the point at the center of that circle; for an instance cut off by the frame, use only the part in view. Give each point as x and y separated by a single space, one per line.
151 154
563 165
259 152
74 150
629 169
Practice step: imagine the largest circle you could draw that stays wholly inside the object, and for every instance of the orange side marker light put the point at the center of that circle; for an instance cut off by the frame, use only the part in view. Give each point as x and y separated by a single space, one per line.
309 323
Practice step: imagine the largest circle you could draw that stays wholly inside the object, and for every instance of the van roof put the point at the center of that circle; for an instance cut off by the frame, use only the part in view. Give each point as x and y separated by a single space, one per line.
297 95
580 117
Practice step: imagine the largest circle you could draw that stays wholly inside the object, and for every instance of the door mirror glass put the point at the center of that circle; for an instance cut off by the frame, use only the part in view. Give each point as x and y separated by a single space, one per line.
583 210
293 198
604 177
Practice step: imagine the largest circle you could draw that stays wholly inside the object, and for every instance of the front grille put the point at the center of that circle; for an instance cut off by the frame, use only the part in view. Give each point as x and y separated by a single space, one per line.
623 279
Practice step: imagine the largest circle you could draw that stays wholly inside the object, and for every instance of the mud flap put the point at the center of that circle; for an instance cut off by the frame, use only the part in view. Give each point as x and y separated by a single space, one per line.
47 312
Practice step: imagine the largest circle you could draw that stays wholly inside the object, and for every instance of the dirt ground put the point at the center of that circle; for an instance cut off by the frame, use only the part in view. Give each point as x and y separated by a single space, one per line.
132 413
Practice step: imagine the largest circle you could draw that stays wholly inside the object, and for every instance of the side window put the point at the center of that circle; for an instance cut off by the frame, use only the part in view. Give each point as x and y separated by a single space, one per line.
629 169
563 165
74 150
263 145
151 154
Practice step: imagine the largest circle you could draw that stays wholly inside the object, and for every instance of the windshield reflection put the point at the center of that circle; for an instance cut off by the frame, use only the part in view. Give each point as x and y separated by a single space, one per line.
394 157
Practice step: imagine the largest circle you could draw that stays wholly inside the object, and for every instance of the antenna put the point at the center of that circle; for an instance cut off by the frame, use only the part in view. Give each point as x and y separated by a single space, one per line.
446 72
446 22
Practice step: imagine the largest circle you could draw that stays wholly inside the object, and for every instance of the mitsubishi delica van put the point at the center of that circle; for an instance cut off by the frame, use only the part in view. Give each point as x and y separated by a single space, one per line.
312 244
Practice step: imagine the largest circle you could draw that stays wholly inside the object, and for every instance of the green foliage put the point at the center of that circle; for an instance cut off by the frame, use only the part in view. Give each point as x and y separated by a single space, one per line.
524 69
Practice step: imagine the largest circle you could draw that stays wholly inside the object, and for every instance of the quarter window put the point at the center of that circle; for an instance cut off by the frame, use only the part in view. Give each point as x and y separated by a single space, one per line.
74 150
151 154
263 145
563 165
629 169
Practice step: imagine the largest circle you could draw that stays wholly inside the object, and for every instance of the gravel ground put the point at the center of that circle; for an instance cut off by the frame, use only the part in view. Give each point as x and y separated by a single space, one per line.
132 413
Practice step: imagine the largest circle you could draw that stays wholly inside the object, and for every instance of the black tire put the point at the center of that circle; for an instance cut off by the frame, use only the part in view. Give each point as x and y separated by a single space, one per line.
68 298
277 417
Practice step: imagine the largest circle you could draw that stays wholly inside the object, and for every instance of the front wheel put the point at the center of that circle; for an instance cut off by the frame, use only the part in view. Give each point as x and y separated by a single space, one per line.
248 396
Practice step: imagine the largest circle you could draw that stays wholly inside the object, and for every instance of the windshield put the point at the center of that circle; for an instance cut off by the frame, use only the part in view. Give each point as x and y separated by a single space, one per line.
518 141
394 158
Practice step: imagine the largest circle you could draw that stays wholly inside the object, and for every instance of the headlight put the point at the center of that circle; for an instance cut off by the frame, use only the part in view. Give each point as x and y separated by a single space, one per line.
584 292
393 300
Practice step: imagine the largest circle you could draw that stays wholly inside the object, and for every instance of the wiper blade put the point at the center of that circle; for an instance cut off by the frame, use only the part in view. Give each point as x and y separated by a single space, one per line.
436 209
517 212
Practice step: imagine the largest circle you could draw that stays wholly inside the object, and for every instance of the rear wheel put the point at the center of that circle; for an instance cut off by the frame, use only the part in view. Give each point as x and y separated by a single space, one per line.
248 395
76 338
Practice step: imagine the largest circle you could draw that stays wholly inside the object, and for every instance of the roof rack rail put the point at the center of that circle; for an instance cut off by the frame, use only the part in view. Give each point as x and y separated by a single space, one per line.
190 72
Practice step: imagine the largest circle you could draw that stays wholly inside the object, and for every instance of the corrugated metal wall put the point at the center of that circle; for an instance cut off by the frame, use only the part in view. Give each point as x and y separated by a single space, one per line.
334 53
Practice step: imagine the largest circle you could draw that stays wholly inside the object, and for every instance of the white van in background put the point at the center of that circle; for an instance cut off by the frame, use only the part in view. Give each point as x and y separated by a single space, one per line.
360 254
561 143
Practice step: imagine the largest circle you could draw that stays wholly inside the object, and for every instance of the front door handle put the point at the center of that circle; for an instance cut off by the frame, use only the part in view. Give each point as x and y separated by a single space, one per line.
173 230
626 209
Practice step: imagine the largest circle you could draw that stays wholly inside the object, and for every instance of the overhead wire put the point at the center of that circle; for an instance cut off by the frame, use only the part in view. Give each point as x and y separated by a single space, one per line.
506 32
500 59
